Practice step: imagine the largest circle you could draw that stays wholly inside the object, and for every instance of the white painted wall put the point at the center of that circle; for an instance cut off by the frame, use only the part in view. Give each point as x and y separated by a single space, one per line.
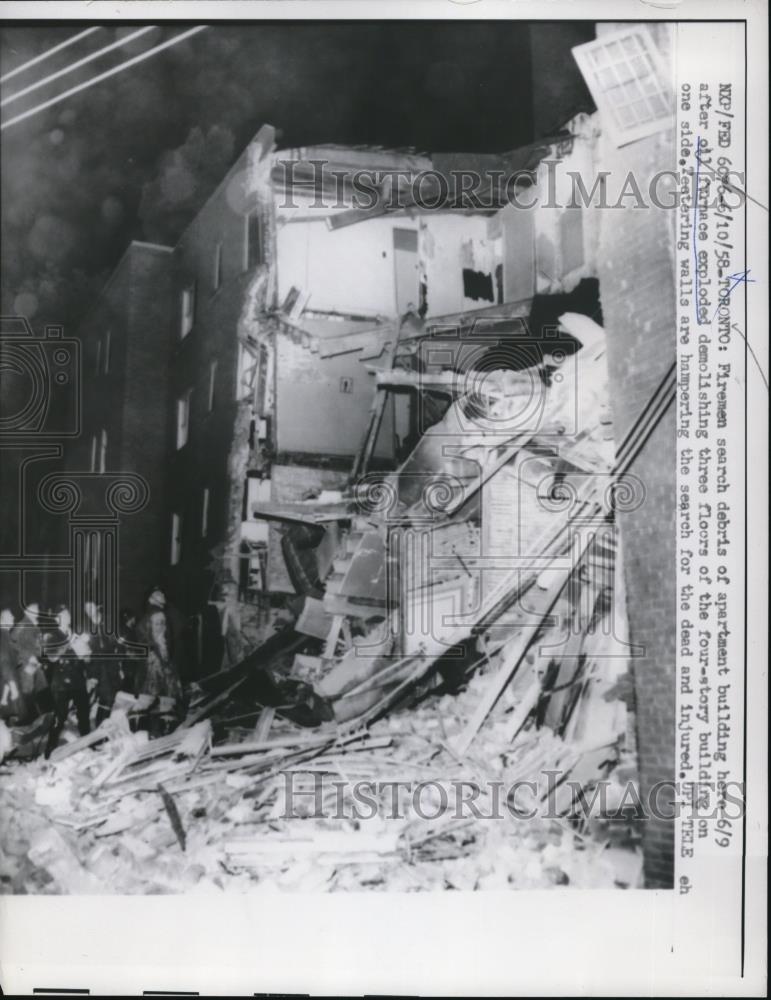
450 241
348 270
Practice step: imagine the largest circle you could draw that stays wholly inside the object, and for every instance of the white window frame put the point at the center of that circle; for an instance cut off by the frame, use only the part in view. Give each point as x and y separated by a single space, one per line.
205 512
176 539
187 310
606 73
183 419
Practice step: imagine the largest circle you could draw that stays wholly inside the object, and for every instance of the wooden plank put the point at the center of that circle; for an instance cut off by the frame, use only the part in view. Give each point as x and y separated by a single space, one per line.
513 657
205 709
278 742
367 447
61 753
523 709
332 637
264 723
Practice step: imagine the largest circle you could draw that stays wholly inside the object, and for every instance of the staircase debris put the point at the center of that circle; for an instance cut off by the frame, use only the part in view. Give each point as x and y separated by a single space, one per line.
470 634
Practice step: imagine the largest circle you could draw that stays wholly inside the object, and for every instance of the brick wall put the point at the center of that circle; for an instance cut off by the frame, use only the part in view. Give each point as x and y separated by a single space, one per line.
128 401
143 423
203 462
637 293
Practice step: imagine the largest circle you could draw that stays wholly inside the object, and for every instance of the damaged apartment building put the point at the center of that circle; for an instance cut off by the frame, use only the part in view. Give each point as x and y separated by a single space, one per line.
261 333
414 433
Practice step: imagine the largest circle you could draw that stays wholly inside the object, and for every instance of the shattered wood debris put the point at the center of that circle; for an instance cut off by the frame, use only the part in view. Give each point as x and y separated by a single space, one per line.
502 658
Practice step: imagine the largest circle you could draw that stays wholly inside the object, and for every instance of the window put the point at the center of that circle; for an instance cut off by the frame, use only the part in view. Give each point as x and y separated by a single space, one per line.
217 276
187 310
183 419
205 513
253 255
107 345
212 386
629 83
176 539
103 451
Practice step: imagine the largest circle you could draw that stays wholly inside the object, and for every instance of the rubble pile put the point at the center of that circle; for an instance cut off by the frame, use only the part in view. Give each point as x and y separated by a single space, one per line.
469 646
97 820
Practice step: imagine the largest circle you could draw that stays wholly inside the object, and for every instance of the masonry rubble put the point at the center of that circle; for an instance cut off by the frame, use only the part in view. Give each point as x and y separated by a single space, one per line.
436 641
459 623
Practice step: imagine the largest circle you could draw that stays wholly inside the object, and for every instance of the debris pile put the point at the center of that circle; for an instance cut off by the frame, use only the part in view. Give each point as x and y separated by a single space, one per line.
430 720
178 814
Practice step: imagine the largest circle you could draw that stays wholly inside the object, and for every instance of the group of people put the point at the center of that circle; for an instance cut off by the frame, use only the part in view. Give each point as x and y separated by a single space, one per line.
47 668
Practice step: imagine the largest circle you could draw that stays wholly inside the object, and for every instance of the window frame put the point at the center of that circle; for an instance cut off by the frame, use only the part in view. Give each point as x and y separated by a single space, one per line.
588 59
187 310
183 427
175 556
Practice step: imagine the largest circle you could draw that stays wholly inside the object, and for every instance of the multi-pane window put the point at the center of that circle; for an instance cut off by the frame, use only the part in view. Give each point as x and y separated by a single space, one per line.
183 419
187 310
629 83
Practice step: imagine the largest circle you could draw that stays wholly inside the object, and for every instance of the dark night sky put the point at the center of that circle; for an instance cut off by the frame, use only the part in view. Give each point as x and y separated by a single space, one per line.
135 156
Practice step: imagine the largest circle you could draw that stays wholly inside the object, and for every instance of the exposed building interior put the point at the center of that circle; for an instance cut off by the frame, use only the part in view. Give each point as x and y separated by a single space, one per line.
393 501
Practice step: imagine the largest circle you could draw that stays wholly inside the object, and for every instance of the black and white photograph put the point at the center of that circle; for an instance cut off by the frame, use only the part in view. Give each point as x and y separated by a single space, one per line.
374 448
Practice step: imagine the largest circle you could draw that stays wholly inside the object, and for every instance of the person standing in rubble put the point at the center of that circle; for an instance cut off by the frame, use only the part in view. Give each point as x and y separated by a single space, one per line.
11 704
27 642
104 665
131 664
68 680
161 678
